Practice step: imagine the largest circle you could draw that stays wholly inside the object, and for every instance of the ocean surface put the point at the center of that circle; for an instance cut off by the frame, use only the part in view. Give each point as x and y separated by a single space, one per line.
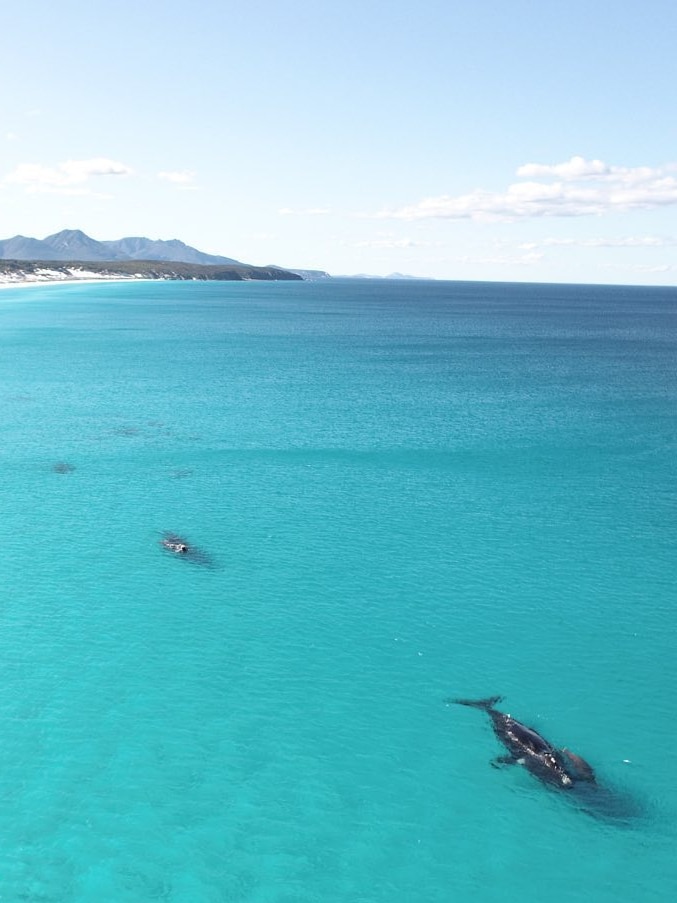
399 492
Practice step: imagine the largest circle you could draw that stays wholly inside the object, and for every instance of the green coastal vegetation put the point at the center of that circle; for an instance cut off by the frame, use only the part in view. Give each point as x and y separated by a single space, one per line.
50 270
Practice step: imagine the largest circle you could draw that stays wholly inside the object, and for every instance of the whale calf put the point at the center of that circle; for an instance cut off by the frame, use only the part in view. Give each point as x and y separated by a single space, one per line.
557 767
178 545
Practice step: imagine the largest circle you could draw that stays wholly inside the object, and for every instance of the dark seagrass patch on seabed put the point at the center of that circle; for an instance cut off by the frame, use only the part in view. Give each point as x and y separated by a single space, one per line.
62 467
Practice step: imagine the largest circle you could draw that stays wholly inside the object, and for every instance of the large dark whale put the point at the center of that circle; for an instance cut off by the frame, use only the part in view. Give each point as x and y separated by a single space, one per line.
558 767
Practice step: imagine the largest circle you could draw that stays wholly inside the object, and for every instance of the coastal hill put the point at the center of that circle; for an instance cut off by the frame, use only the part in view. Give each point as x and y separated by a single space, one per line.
72 255
72 244
22 271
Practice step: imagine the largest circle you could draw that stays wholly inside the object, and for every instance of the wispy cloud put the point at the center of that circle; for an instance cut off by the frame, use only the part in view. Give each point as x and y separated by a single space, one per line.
528 259
65 178
643 268
182 178
397 243
644 241
577 187
308 211
261 236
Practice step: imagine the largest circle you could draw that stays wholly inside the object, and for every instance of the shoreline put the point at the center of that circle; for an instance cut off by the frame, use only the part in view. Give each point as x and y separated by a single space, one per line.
44 272
28 283
72 280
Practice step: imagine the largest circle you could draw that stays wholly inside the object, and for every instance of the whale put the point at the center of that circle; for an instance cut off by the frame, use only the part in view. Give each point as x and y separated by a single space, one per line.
556 767
182 548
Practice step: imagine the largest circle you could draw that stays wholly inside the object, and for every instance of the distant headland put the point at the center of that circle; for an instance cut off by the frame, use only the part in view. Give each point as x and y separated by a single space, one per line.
71 255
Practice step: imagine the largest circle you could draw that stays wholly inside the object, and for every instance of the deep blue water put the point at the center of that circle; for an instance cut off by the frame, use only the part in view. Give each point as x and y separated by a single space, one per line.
409 491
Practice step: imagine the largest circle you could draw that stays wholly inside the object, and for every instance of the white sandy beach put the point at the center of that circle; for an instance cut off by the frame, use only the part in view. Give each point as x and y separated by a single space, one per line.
59 277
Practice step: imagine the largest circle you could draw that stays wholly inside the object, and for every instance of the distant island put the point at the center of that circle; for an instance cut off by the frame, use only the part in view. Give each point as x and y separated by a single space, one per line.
71 255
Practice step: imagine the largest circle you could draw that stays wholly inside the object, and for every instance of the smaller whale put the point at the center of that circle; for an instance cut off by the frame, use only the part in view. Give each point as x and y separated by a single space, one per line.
584 768
557 767
180 546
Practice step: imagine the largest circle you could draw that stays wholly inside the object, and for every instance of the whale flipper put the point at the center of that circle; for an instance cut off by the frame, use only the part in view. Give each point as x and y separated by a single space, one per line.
500 761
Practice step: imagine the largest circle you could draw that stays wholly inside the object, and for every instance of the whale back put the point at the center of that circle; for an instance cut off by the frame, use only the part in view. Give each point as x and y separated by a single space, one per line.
526 737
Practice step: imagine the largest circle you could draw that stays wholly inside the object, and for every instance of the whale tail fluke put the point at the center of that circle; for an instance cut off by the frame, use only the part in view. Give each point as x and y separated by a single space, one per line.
486 704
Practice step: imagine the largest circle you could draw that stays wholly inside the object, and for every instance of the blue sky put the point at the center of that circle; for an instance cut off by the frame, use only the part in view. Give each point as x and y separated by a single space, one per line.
529 141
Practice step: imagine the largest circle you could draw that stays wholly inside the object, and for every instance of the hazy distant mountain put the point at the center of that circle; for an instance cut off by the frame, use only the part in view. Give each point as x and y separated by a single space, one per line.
173 250
22 248
72 244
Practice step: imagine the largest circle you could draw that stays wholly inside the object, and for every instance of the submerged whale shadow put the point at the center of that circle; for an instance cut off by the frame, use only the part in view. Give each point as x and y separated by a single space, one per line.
609 802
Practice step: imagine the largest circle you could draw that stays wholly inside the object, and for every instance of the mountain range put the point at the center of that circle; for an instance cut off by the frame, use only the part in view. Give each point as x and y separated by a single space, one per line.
74 245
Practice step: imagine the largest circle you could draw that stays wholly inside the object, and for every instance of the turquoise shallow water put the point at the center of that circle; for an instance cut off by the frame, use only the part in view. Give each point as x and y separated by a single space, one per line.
410 491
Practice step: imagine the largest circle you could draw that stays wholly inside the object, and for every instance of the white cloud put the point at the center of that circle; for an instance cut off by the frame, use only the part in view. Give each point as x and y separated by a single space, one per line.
576 168
178 177
81 170
63 177
578 187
